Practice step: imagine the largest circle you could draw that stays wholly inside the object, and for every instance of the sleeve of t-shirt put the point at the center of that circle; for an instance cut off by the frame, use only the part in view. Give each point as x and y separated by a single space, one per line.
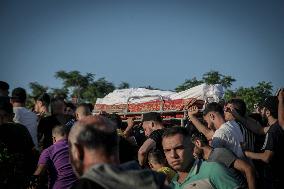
224 156
44 157
270 141
218 141
156 135
221 178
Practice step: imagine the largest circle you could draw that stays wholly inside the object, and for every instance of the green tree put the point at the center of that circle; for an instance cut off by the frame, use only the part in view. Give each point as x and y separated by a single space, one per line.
103 87
211 77
75 80
188 83
57 92
251 95
123 85
214 77
37 89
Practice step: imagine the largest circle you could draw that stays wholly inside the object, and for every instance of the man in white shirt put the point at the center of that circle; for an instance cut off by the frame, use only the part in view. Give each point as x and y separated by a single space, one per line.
22 114
222 134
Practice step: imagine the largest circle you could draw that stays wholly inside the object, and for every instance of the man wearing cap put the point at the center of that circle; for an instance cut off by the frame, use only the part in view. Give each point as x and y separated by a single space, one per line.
153 129
272 153
22 114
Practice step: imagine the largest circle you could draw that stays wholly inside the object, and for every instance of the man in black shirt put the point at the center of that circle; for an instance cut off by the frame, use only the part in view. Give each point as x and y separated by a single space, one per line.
46 124
154 130
272 153
17 151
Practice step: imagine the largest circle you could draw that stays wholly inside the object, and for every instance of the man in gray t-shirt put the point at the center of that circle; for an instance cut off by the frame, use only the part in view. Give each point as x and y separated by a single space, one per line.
225 157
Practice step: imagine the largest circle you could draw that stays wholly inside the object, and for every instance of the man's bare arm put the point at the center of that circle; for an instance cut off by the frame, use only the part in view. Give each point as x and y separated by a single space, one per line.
192 111
144 149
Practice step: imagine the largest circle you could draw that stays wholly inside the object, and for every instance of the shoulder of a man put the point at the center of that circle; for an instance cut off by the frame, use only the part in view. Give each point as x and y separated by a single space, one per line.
222 155
219 175
157 135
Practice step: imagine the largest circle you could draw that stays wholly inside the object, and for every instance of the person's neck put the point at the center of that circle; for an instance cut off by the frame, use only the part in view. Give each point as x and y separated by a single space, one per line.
271 121
219 122
159 126
206 152
44 110
182 176
159 166
18 104
91 159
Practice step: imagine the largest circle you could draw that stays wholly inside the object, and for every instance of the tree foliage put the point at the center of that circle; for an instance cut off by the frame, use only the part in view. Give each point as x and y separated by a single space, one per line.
123 85
251 95
211 77
37 89
189 83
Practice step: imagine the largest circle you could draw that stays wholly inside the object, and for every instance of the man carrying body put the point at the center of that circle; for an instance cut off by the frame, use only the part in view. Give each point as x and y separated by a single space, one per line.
153 129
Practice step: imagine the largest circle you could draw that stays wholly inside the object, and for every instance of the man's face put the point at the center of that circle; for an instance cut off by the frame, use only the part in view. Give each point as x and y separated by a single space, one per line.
147 127
264 113
178 152
197 152
227 113
209 121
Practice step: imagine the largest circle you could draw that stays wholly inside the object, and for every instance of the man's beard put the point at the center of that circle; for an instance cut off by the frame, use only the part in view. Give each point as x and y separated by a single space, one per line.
212 126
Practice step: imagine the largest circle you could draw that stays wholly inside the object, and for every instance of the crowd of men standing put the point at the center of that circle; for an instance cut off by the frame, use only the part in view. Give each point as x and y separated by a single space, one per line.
60 145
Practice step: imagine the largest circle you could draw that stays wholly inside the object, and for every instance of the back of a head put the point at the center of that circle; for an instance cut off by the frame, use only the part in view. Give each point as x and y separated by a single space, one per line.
239 105
152 116
57 106
95 132
83 110
19 95
156 156
60 130
6 110
4 88
213 107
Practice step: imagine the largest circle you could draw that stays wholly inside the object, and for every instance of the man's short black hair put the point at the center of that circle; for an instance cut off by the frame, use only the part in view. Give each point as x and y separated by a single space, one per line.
199 136
152 116
213 107
45 99
239 104
156 156
172 131
60 130
19 95
271 103
93 138
4 86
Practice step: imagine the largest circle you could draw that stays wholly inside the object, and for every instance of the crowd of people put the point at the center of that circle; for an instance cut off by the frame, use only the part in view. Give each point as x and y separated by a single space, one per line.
61 145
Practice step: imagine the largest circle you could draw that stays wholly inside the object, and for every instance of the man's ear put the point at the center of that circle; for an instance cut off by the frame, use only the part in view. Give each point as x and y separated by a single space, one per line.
152 124
150 165
267 112
197 143
78 152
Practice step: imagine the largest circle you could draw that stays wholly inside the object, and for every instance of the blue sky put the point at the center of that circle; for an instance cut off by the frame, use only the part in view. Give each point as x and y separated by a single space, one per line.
157 43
